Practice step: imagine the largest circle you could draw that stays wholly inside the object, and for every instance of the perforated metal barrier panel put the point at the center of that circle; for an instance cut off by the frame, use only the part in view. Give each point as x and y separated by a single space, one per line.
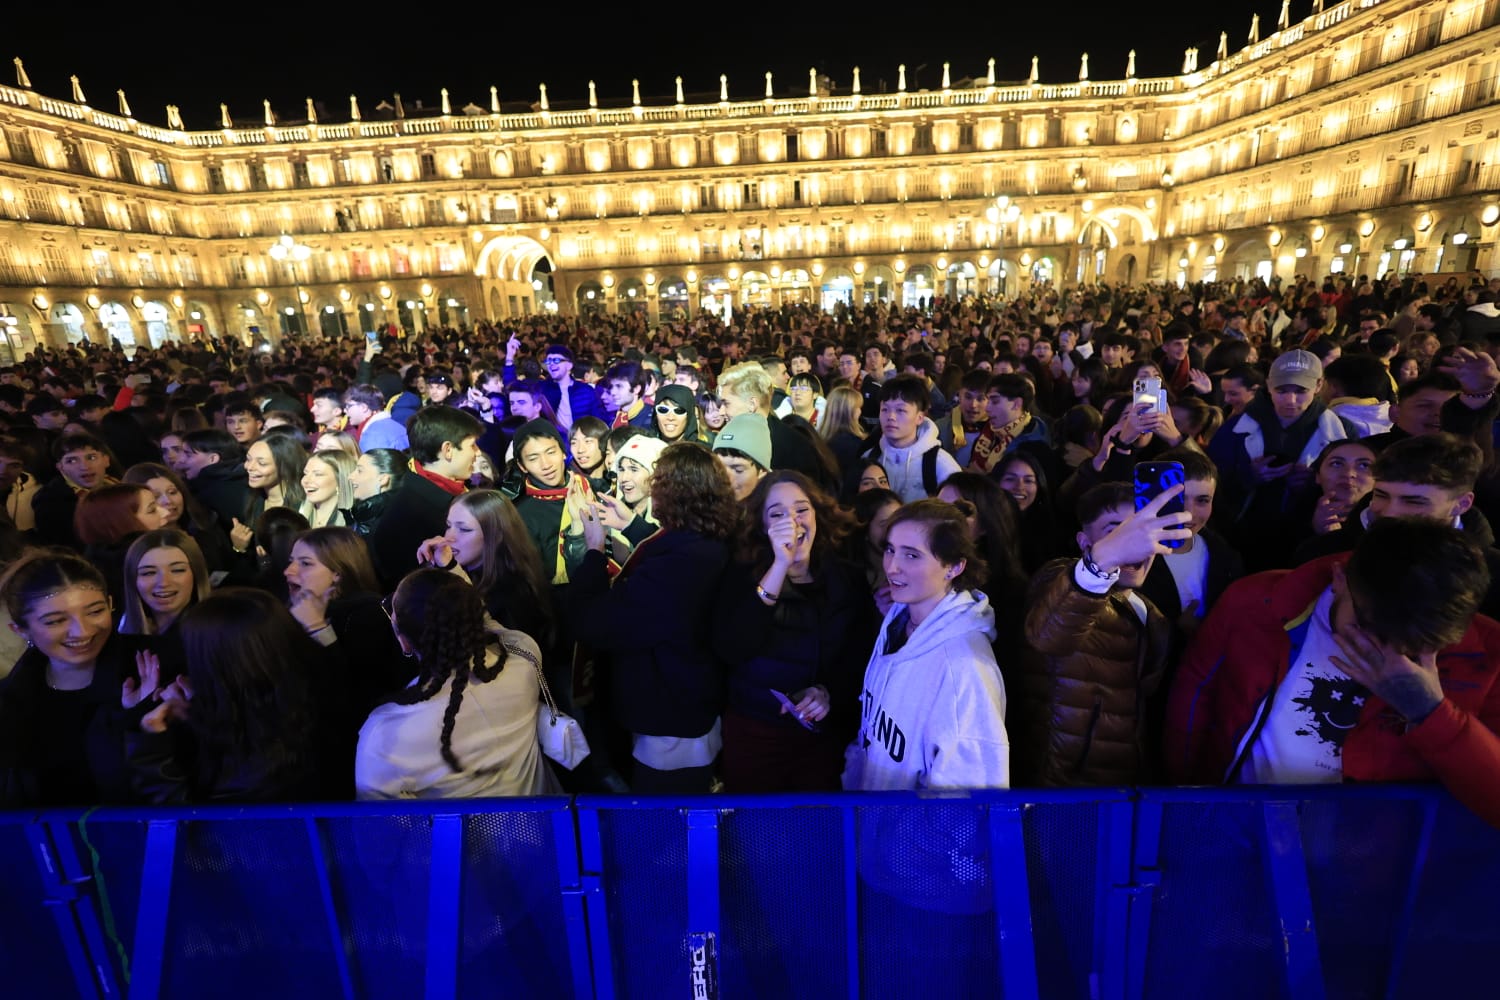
1102 895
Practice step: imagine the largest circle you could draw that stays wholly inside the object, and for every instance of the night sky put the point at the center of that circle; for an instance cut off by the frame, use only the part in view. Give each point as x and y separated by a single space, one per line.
199 58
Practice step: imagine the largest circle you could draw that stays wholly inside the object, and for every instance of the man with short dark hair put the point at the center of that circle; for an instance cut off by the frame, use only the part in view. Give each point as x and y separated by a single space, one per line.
82 465
571 399
1012 425
213 463
368 422
244 421
444 441
908 448
1367 667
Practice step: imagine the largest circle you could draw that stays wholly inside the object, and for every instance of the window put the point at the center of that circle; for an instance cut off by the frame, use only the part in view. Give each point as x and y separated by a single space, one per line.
104 268
147 263
429 166
922 138
627 245
186 267
299 174
791 149
878 142
706 196
400 261
966 137
797 192
836 239
751 193
359 263
163 175
586 247
216 180
56 262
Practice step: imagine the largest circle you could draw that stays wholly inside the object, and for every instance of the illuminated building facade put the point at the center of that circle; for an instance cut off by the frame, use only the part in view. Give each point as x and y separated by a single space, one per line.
1362 139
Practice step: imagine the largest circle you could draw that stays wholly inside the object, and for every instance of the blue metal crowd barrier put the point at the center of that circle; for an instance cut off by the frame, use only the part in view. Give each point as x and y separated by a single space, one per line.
1101 894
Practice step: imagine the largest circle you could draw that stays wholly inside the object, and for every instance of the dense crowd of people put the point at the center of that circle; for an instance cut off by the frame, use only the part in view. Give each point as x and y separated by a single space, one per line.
873 548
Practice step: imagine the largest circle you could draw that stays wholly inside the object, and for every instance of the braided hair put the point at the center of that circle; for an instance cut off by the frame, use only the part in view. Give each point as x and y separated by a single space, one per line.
442 616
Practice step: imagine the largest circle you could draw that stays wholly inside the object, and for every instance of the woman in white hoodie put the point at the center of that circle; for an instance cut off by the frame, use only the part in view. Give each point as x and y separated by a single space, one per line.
933 703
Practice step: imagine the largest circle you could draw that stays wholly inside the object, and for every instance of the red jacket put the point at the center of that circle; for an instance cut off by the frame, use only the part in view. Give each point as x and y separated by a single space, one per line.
1243 651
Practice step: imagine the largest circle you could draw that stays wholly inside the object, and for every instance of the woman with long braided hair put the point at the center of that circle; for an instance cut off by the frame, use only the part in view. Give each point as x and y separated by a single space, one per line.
466 727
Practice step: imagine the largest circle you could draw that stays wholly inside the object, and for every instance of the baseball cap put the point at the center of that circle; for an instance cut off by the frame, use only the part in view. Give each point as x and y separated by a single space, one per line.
1299 368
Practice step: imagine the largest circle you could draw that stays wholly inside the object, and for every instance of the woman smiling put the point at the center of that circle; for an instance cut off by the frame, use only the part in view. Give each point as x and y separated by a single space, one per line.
58 741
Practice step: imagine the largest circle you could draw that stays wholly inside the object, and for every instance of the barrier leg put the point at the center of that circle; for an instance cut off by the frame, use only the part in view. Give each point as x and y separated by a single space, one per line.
565 842
1288 867
851 900
1409 905
318 850
1145 876
151 915
1012 902
596 910
63 900
443 931
1114 893
703 898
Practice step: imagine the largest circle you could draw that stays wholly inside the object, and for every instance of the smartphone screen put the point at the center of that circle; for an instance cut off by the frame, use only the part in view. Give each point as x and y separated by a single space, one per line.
371 335
1152 479
791 709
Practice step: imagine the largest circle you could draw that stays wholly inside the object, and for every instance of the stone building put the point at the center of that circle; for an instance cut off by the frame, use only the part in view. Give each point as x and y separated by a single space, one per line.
1362 139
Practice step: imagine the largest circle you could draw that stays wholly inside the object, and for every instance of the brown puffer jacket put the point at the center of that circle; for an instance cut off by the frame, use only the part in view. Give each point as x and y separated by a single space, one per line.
1077 697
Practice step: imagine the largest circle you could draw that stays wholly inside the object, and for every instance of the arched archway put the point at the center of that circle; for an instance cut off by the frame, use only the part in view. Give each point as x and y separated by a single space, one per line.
919 285
672 296
18 335
506 266
1125 269
879 285
68 320
115 319
159 326
1003 276
838 288
590 299
961 279
201 321
755 288
1250 259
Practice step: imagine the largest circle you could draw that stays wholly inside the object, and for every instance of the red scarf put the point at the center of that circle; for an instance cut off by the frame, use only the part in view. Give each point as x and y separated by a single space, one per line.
452 487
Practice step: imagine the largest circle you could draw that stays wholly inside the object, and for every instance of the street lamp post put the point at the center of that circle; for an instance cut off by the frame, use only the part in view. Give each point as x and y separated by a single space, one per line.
292 253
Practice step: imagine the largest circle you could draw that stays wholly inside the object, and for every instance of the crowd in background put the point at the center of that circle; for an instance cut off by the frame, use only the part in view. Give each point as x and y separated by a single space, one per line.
870 548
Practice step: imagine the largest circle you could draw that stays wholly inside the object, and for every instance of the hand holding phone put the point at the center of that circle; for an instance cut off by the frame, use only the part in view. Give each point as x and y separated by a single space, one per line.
1152 479
791 709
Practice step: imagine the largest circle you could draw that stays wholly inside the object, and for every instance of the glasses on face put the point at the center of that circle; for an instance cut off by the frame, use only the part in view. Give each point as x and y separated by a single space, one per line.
555 361
670 410
388 605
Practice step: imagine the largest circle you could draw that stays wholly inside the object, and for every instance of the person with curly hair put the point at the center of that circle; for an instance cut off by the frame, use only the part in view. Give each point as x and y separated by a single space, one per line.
466 727
666 686
791 621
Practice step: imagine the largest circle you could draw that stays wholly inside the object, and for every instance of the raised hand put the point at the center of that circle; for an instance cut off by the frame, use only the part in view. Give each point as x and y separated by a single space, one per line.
133 692
1143 534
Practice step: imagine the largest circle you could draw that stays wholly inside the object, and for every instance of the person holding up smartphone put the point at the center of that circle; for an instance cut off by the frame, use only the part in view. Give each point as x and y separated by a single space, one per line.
1095 648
